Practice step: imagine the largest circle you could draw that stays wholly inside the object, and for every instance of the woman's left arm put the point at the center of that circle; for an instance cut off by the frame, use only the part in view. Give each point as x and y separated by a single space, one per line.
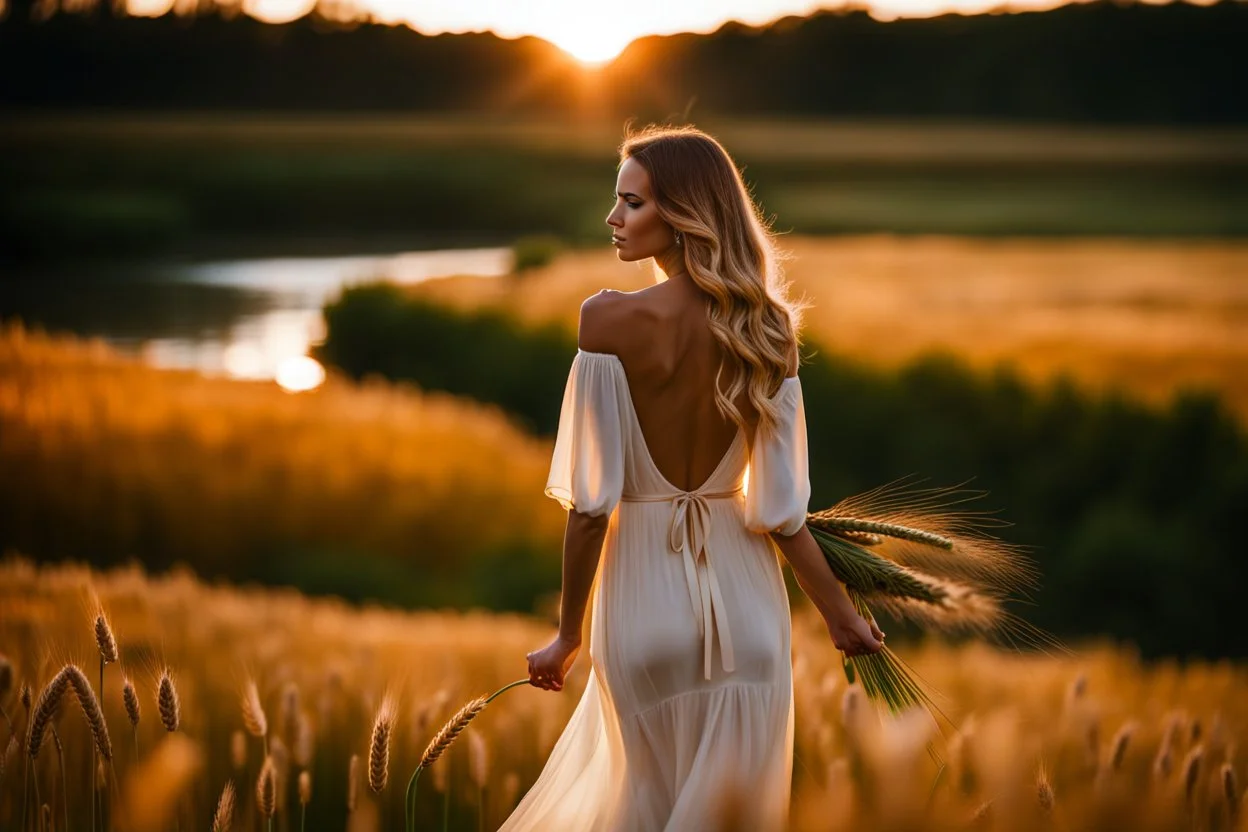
582 549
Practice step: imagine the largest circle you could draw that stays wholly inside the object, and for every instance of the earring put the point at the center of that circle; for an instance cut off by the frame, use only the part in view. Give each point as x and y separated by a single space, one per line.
678 240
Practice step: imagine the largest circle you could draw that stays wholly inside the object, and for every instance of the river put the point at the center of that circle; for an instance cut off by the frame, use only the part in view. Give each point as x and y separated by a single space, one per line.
253 318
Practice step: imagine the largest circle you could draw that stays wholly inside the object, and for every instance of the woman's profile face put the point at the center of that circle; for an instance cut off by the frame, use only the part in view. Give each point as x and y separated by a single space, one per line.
638 231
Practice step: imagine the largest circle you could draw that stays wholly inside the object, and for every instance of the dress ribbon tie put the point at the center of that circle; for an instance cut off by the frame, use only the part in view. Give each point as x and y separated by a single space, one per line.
690 528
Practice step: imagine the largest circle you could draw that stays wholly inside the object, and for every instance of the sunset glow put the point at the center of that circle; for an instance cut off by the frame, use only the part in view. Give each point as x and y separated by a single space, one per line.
594 31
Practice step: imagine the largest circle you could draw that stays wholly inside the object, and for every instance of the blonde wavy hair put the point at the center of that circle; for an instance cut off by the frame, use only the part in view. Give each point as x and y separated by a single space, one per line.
730 253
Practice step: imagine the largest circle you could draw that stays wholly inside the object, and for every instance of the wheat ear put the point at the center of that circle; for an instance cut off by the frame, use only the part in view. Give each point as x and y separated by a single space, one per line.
442 741
379 747
69 676
104 639
167 702
836 523
254 719
266 788
224 816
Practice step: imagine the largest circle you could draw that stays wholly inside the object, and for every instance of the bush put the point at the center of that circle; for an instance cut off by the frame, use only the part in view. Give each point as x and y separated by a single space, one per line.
1132 511
534 252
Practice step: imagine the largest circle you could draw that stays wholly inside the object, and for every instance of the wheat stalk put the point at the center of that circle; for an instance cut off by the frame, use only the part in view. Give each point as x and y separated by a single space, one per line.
937 516
131 700
1191 771
1118 750
379 747
238 750
70 676
10 751
1044 791
1230 789
44 707
288 716
353 780
254 719
442 741
167 702
104 639
304 741
478 761
869 573
266 789
836 523
223 818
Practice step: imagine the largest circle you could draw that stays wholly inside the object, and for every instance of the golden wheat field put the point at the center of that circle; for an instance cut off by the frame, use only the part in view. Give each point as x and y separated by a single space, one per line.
1146 316
1090 740
376 466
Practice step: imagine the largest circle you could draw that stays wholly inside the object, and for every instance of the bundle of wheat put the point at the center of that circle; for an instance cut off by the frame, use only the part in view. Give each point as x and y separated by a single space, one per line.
915 554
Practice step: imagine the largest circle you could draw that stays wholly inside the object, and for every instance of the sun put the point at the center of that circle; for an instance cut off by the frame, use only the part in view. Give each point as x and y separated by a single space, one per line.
587 40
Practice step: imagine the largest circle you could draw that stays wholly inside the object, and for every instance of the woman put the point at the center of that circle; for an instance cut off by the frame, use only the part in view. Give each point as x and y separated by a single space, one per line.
674 391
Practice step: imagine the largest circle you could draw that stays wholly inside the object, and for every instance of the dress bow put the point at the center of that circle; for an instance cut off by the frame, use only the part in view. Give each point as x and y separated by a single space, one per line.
690 529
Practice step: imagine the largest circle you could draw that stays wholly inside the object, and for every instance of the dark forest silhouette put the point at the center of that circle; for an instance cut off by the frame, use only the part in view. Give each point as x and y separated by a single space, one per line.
1095 62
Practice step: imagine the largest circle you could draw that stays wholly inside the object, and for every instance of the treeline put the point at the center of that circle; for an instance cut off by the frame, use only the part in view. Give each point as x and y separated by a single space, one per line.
1085 62
1134 514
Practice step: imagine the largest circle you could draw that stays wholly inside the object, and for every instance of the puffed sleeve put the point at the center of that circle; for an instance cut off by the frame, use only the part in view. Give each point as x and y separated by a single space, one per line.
587 467
778 492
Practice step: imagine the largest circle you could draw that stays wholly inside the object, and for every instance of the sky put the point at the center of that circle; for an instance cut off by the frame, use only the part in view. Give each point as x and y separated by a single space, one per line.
594 31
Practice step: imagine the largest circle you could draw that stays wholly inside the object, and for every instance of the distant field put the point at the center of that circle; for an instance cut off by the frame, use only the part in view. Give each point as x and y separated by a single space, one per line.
365 490
1116 743
186 183
1147 317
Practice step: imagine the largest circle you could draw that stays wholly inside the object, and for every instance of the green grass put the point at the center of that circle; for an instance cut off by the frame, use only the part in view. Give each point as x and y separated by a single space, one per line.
184 182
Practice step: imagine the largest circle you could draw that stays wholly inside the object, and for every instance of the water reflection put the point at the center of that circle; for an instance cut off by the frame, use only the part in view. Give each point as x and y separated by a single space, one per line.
251 319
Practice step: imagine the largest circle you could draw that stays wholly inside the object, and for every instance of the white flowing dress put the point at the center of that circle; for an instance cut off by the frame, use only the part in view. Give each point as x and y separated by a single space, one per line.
690 689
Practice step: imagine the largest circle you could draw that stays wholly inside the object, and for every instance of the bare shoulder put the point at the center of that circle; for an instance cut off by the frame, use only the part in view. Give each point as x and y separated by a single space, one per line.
604 321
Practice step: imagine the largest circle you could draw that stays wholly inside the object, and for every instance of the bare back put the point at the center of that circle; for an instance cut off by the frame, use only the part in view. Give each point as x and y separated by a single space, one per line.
664 341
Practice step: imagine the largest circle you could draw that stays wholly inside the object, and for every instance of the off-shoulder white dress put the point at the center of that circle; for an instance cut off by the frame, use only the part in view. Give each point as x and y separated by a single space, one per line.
690 686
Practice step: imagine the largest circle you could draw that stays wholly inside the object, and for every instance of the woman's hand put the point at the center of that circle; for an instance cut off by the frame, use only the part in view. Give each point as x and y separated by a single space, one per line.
548 666
852 634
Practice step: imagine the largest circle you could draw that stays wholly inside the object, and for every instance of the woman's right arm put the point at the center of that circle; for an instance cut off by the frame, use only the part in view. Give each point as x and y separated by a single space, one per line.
852 634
